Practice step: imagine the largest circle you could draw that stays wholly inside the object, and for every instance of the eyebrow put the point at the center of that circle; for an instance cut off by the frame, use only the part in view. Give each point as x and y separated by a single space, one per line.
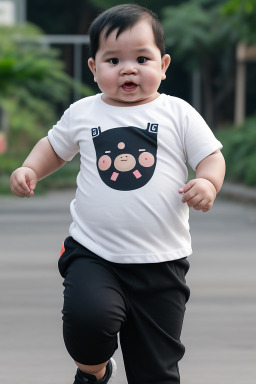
144 49
110 53
139 51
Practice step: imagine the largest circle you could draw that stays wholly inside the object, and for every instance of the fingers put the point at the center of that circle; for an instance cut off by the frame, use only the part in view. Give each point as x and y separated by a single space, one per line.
196 201
189 193
199 203
204 206
207 207
21 190
187 187
23 182
19 187
199 194
32 185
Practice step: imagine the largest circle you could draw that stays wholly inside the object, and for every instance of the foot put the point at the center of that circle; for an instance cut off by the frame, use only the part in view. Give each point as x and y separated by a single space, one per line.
86 378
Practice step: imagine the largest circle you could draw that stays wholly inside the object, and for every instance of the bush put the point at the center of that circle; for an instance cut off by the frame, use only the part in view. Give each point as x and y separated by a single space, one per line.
33 88
239 150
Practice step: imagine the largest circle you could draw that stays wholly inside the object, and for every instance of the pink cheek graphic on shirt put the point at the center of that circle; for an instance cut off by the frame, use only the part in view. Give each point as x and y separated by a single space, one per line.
146 159
104 163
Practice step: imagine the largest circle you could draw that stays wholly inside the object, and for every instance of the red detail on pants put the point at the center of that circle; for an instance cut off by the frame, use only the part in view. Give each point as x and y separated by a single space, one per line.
62 249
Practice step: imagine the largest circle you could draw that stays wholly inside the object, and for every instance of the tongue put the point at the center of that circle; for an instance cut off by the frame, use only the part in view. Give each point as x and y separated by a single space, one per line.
129 86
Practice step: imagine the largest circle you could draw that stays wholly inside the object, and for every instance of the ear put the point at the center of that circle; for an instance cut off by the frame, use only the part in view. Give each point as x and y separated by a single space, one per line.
92 66
165 62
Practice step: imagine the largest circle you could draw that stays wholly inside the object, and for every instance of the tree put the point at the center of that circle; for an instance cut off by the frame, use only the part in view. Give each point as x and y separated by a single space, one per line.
203 40
32 84
243 16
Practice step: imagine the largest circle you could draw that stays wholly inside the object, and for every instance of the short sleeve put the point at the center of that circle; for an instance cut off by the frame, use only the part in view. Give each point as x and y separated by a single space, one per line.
60 138
199 140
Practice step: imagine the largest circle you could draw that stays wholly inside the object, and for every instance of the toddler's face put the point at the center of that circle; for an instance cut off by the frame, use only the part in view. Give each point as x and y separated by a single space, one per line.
129 69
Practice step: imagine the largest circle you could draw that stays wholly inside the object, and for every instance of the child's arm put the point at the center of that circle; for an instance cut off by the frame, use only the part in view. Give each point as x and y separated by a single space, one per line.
41 162
201 192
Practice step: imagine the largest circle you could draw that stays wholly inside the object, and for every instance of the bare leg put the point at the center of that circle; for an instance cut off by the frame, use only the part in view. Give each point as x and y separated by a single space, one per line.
97 370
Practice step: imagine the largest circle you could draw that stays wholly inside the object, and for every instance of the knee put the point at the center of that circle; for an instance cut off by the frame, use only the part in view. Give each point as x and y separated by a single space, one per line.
90 336
91 321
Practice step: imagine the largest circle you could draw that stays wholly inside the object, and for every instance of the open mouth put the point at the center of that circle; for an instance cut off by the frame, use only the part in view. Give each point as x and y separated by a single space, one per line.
129 87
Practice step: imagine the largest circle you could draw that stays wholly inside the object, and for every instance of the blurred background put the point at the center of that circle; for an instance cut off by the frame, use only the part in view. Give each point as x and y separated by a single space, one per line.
43 68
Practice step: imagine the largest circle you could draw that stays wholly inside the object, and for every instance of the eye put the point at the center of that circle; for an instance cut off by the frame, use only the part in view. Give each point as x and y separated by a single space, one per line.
142 59
113 61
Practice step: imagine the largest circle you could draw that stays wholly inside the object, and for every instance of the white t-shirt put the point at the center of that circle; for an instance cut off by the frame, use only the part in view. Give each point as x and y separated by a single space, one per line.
127 208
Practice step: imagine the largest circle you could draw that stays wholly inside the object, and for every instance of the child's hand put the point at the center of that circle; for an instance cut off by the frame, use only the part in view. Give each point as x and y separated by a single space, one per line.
23 182
199 194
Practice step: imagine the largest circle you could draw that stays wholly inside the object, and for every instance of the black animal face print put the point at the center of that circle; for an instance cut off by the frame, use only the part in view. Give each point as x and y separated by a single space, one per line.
126 156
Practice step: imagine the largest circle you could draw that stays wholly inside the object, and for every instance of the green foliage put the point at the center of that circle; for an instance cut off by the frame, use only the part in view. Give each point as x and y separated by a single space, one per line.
243 17
29 120
239 150
33 83
8 164
25 63
196 29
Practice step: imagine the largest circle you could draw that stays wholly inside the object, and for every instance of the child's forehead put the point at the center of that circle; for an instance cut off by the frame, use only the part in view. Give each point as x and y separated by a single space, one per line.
139 37
117 32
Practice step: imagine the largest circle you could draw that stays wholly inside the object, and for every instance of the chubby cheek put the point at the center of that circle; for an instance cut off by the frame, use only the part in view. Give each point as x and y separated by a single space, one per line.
152 75
146 159
104 163
106 80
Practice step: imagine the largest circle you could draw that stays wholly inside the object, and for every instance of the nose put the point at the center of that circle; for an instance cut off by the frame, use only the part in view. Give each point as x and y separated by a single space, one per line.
129 68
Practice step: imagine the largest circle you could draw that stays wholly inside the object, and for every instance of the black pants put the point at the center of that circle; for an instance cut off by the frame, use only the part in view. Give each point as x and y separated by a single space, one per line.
144 302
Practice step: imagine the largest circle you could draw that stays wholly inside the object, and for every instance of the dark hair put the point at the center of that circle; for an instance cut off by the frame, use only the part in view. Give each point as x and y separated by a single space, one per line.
123 17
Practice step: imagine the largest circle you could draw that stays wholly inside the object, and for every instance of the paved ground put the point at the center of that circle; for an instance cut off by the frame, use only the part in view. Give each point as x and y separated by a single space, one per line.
219 330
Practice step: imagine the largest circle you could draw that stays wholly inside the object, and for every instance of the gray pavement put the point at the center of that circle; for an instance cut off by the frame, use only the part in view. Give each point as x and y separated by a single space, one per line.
239 192
219 329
